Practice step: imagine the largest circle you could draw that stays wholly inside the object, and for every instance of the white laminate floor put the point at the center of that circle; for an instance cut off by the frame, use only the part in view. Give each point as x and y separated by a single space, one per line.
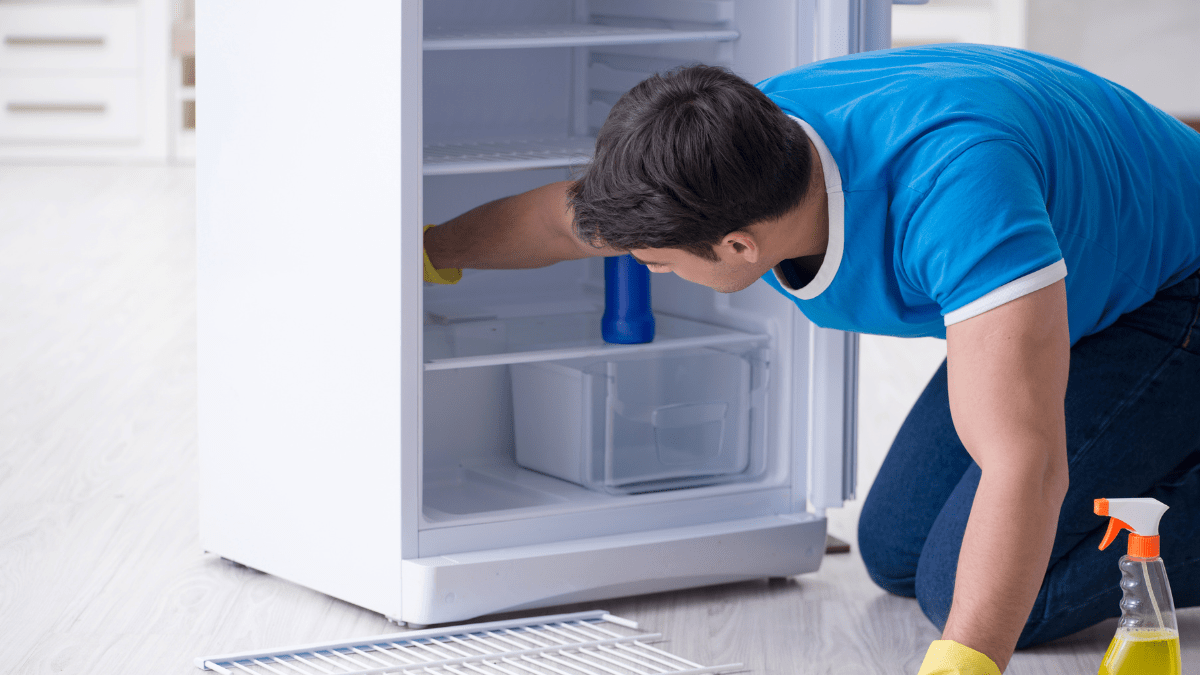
100 569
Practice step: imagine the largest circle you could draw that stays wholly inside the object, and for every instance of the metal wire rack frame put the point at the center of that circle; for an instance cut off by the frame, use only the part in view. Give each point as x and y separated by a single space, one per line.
586 643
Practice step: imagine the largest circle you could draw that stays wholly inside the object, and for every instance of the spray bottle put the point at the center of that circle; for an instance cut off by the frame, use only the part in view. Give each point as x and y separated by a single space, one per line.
1147 639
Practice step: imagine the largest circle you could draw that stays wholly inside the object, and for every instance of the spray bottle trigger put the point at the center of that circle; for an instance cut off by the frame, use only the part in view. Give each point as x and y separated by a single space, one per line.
1115 525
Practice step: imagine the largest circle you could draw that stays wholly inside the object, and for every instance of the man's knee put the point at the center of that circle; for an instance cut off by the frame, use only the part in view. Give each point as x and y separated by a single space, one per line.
888 564
935 592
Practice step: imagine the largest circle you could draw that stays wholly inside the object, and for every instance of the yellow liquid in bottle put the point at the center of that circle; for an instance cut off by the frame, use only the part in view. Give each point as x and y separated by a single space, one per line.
1142 652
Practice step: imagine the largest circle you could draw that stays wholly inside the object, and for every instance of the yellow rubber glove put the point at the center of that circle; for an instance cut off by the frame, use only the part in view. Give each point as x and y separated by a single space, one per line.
947 657
448 275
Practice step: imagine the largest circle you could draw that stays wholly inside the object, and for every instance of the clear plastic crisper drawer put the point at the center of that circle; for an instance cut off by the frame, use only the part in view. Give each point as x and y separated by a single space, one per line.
642 423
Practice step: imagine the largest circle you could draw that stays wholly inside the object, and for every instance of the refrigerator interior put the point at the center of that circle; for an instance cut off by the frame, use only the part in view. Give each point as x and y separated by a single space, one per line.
520 441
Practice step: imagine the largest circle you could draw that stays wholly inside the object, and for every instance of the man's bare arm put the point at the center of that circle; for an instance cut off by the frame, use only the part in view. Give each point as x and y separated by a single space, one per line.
532 229
1008 378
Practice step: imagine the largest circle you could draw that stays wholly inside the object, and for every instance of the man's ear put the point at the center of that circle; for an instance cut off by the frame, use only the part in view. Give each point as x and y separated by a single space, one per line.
743 245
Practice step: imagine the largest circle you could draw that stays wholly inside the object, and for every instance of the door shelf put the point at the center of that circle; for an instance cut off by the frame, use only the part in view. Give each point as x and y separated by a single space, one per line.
526 339
490 157
570 35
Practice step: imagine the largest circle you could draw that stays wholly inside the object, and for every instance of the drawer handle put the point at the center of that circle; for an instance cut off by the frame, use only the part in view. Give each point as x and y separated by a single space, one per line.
53 41
71 108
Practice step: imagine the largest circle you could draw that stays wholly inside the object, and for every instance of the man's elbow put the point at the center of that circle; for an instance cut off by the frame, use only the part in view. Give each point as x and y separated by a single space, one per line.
1040 477
1046 476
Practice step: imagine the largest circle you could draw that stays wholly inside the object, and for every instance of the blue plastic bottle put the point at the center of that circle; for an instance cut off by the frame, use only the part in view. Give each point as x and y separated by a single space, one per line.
627 318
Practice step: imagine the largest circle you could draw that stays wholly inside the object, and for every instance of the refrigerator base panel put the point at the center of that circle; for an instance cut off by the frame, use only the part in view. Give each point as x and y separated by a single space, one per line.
462 586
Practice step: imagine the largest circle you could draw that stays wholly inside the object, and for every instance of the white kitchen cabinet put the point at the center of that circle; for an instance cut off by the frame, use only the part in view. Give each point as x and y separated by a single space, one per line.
83 80
359 430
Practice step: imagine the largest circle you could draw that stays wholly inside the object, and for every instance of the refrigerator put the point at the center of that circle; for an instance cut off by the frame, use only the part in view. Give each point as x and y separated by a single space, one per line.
439 453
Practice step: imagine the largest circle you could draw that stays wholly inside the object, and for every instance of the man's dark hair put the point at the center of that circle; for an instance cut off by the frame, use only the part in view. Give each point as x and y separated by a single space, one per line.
686 158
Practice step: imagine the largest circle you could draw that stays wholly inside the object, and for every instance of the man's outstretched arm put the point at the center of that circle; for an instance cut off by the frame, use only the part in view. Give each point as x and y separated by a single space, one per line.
532 229
1007 378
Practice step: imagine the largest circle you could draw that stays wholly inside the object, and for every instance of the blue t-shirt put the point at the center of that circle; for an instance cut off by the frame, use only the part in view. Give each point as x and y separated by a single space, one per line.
961 177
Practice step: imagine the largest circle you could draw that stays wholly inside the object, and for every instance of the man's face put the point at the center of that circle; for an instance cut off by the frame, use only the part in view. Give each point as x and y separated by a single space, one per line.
729 273
746 254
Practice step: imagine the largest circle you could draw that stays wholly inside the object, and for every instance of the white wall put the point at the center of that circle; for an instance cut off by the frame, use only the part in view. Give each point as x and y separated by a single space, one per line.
1151 46
993 22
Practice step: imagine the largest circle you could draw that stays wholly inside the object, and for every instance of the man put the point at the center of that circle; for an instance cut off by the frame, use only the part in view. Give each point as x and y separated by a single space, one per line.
1044 221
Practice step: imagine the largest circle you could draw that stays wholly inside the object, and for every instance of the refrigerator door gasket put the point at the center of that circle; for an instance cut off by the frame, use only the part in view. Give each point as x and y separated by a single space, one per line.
566 644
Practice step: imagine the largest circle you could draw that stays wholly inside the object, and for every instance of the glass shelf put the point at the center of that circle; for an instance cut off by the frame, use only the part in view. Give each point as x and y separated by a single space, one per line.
571 35
487 157
475 342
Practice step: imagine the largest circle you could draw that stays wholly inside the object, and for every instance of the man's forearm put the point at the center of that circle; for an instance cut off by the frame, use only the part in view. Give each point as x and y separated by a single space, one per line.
1003 560
532 229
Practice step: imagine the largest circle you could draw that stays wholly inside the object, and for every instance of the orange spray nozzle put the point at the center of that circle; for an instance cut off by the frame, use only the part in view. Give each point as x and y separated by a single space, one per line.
1139 516
1115 525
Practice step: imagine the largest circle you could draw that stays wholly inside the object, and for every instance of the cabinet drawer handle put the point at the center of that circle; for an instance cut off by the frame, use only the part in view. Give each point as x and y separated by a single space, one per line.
54 41
74 108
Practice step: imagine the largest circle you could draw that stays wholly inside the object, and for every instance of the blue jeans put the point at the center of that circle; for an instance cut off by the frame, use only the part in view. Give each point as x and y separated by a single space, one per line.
1133 430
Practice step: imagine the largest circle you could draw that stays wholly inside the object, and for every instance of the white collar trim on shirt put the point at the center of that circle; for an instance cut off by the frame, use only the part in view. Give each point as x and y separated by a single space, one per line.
837 214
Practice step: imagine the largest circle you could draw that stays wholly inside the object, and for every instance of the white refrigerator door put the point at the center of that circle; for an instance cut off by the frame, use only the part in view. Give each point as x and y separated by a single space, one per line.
307 162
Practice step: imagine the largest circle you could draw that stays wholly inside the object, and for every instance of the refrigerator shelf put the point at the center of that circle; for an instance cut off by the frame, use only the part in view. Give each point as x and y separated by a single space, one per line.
491 341
567 644
570 35
445 159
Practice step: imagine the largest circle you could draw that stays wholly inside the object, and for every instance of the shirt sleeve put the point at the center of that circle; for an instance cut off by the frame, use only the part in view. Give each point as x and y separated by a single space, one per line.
981 236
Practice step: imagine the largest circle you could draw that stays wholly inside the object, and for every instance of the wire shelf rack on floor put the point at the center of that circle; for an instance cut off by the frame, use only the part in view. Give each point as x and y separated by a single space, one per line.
587 643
